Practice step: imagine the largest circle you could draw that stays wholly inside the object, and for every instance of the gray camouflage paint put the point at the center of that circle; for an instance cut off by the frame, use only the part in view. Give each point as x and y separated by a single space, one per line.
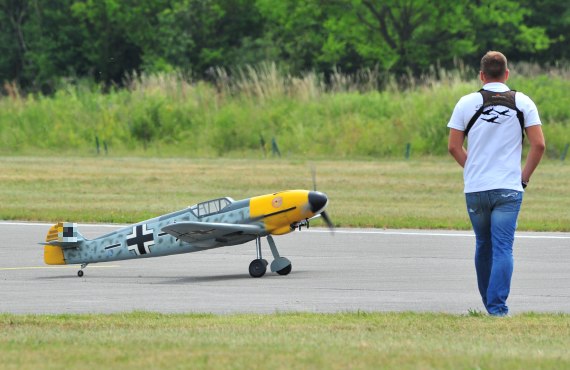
113 246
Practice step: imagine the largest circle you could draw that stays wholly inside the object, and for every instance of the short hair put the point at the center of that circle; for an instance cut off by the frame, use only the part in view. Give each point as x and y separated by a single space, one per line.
494 64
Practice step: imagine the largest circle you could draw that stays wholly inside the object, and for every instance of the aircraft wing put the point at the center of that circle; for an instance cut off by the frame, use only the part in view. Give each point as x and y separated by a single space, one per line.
226 234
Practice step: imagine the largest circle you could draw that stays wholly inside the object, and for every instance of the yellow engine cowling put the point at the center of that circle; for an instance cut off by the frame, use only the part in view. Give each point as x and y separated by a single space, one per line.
279 210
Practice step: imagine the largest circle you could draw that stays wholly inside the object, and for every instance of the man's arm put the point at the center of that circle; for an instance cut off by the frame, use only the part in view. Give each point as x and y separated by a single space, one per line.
537 146
455 146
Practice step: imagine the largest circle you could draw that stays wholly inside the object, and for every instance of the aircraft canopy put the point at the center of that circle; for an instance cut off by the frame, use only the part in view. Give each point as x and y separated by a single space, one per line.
211 207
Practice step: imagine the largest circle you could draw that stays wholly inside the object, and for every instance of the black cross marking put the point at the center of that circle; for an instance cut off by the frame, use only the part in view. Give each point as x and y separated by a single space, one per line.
139 237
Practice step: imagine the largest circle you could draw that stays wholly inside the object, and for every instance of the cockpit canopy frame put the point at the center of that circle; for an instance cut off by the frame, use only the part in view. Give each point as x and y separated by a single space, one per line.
211 207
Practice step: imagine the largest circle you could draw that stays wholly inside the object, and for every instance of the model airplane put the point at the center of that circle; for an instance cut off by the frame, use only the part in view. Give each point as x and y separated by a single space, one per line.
212 224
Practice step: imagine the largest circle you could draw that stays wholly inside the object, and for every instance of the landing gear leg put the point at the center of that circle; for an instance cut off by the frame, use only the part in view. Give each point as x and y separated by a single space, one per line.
80 272
280 265
258 267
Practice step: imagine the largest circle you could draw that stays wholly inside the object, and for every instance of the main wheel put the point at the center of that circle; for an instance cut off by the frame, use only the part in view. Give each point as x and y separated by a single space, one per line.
257 268
80 273
285 270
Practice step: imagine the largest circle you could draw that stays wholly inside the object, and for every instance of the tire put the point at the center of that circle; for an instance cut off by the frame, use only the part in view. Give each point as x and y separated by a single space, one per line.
257 268
285 270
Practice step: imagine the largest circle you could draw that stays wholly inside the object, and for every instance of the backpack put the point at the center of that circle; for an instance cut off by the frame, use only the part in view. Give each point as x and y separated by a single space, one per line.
493 99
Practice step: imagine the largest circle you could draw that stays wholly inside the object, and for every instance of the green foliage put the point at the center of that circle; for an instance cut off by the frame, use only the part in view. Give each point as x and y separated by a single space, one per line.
554 17
508 16
402 35
297 28
413 35
43 42
171 116
197 35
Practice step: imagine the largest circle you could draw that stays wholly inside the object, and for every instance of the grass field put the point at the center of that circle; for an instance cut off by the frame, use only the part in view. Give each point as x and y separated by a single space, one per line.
165 116
285 341
392 194
415 194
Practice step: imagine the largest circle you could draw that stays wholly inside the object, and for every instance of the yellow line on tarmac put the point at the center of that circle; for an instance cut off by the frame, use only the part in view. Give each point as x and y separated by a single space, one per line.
54 267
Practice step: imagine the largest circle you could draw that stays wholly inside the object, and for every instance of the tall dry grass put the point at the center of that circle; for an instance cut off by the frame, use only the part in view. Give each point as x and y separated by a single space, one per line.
368 114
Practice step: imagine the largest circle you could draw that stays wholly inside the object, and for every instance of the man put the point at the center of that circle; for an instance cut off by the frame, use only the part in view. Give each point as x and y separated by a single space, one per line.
494 121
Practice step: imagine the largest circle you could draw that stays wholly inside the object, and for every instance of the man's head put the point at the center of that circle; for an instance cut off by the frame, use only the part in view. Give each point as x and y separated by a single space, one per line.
494 67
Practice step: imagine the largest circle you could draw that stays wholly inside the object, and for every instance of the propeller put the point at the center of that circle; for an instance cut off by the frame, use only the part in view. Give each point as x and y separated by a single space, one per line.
314 176
328 221
323 214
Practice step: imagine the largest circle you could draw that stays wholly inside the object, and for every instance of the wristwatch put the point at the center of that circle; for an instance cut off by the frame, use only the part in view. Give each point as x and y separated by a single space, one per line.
524 184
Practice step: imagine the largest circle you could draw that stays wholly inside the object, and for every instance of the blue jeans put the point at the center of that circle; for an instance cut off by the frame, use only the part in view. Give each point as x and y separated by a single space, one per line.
494 214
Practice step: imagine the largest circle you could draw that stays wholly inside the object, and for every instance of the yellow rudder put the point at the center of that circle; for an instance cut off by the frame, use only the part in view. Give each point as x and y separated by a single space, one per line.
53 232
53 254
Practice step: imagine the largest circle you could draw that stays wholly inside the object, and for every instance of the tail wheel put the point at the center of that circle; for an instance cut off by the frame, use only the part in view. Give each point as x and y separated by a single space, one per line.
285 270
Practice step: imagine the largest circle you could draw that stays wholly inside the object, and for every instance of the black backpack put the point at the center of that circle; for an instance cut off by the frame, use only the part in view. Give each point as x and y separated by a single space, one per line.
493 99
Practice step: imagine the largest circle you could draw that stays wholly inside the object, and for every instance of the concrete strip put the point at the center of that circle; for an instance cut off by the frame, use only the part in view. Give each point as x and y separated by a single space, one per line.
371 270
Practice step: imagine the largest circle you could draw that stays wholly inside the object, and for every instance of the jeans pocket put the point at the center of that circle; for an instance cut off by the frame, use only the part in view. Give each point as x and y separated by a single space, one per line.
473 201
508 200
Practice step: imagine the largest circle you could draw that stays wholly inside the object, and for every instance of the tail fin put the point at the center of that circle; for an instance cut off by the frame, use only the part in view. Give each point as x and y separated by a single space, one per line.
64 232
61 235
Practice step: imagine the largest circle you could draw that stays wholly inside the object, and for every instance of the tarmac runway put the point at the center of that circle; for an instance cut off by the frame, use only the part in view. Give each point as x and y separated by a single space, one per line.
369 270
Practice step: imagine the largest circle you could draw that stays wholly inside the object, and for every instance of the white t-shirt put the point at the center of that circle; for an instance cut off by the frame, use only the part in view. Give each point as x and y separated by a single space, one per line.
494 144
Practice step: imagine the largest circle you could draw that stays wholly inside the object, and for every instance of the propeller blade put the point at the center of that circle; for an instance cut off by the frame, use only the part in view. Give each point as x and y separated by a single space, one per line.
314 176
327 220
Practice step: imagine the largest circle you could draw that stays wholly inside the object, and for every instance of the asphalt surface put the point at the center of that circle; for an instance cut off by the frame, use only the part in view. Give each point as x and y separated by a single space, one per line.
369 270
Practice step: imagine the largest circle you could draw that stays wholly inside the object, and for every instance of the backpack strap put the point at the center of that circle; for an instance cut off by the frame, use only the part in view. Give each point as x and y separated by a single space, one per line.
490 98
476 115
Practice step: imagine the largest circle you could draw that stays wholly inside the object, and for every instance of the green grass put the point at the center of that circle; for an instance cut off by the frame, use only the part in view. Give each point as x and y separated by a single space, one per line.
285 341
423 193
166 116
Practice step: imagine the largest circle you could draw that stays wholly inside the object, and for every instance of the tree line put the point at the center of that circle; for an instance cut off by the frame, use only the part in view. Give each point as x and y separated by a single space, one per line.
43 42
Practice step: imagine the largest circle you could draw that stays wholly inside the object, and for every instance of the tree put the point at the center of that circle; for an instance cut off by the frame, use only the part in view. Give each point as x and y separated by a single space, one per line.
404 35
554 17
39 43
401 35
44 41
297 28
108 47
195 35
13 43
503 25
